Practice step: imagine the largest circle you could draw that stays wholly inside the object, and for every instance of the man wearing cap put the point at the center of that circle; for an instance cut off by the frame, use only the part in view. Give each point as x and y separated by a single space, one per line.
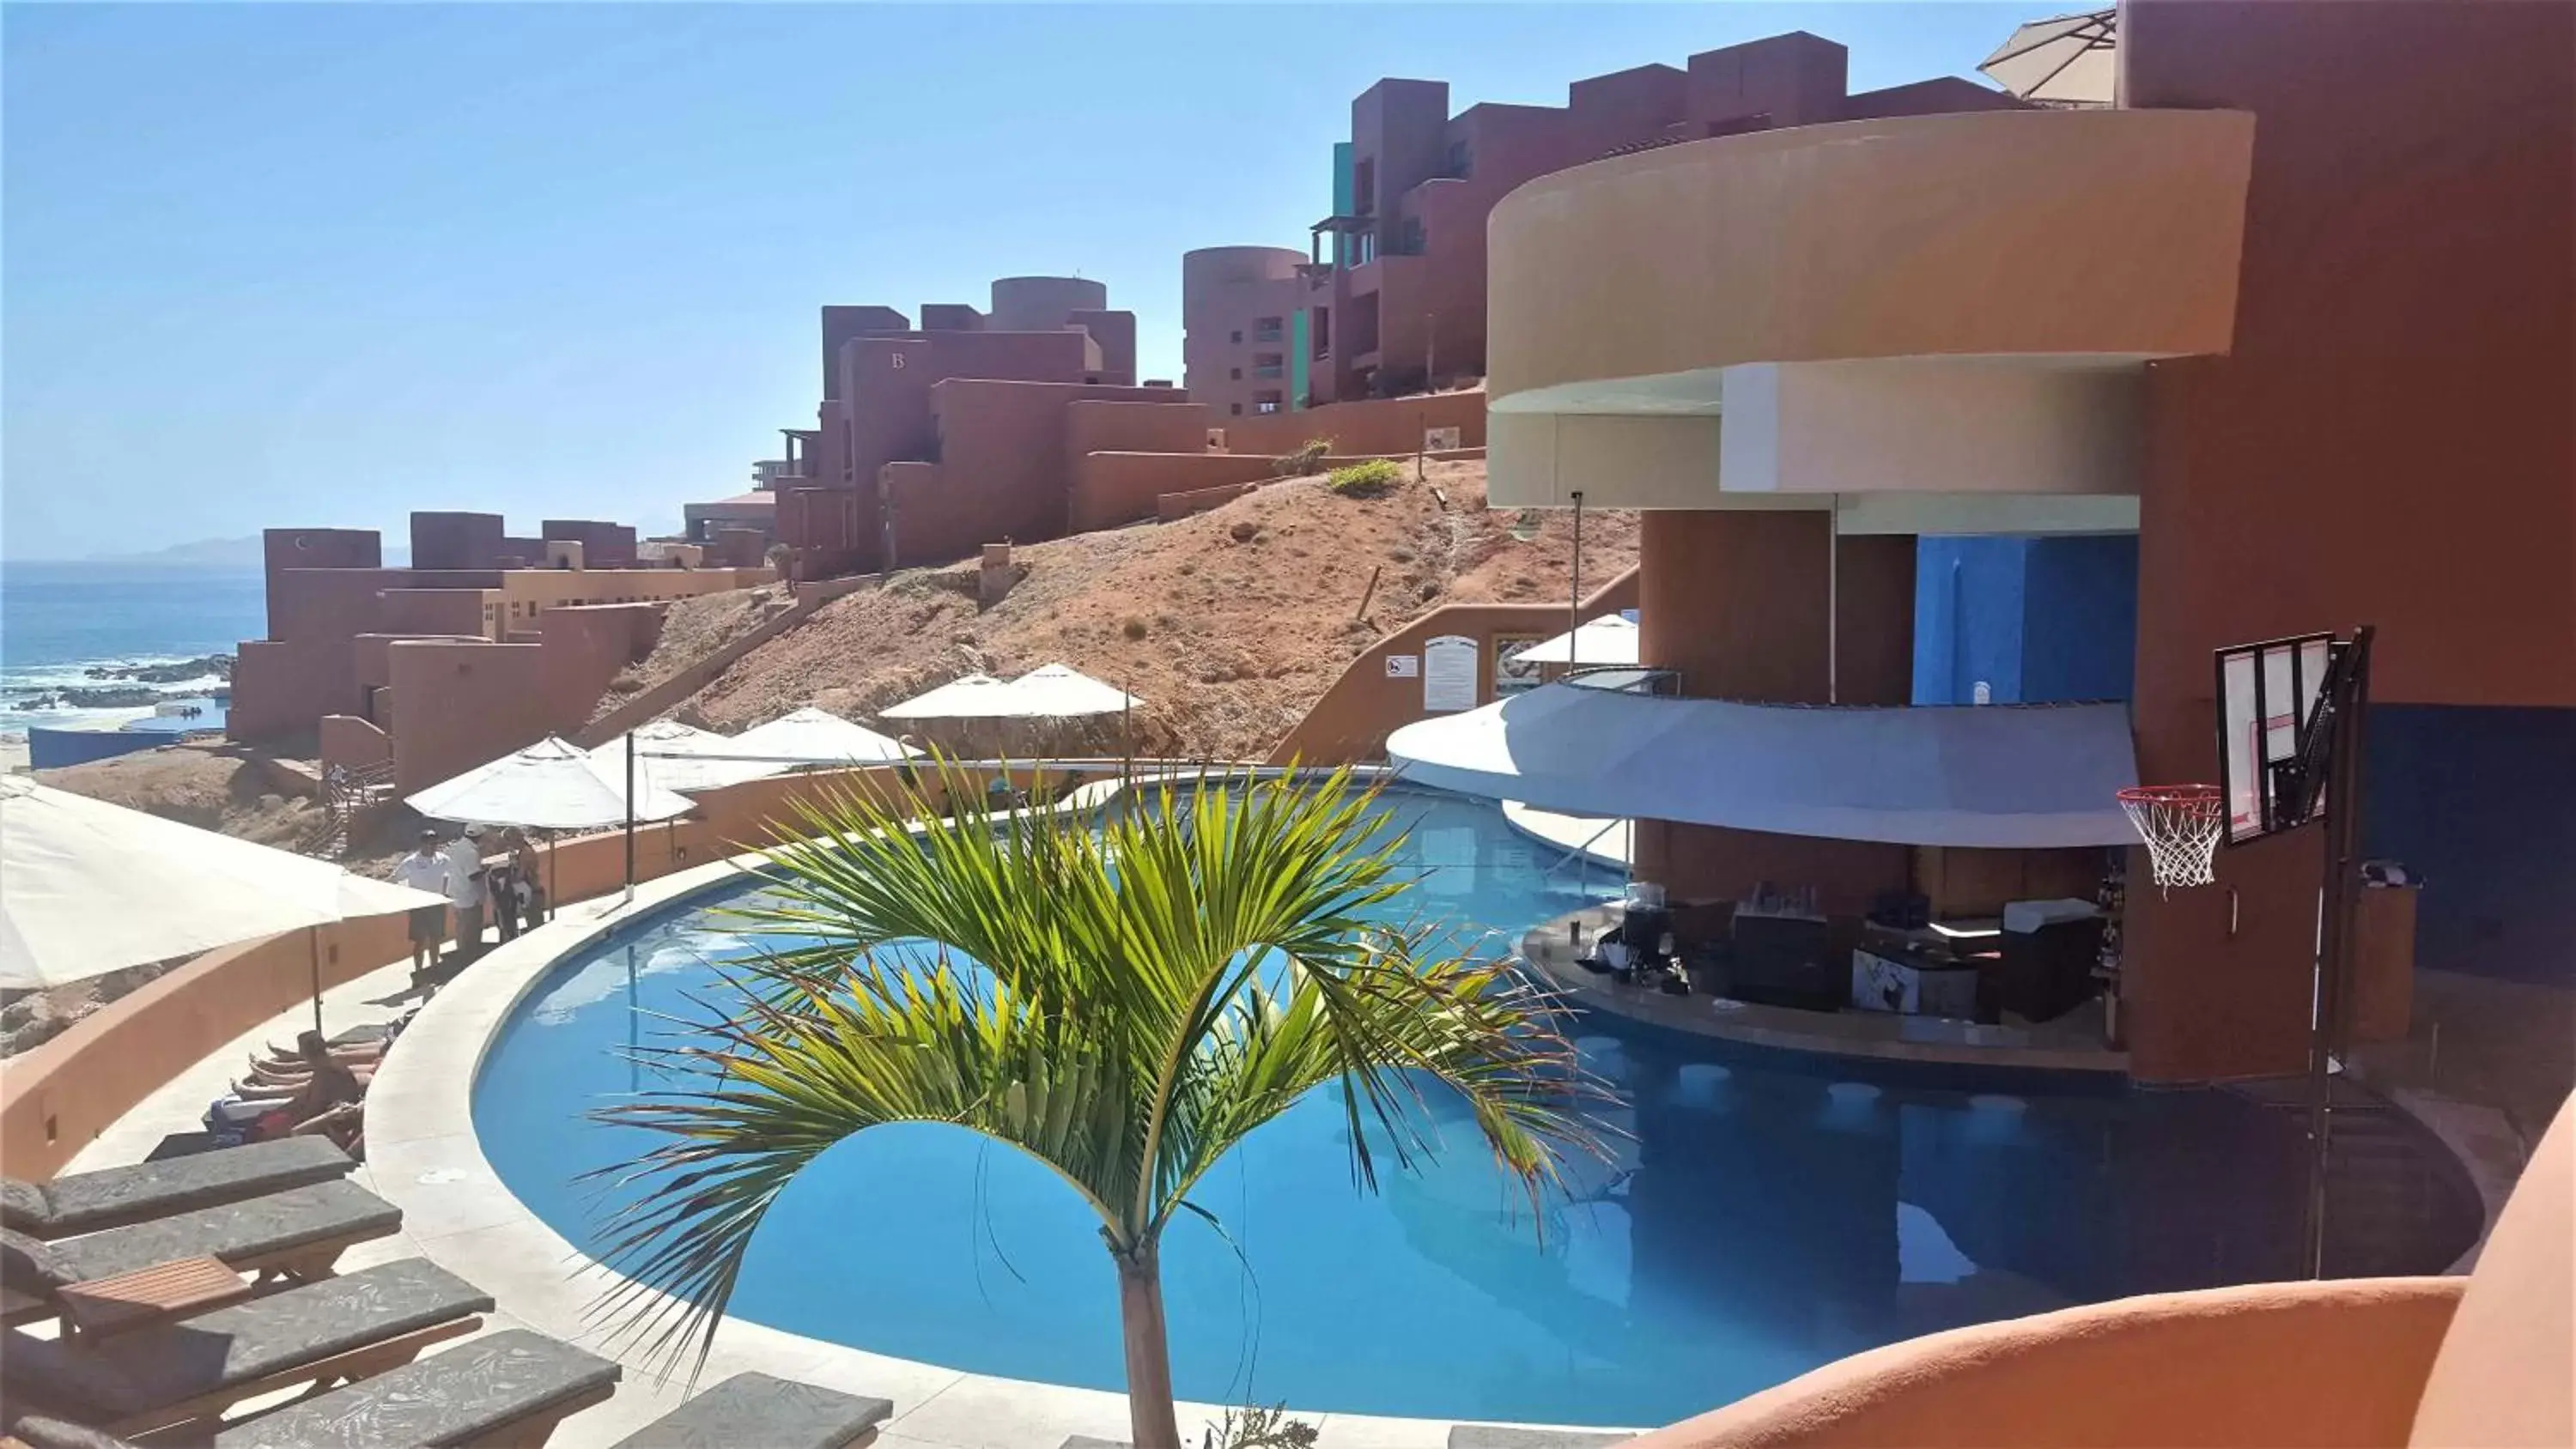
464 857
424 870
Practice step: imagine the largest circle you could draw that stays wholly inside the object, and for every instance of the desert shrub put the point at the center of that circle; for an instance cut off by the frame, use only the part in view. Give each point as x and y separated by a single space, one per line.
1307 461
1366 480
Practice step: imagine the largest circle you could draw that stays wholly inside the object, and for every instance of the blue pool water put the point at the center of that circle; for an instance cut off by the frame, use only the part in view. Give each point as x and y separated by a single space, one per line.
1762 1216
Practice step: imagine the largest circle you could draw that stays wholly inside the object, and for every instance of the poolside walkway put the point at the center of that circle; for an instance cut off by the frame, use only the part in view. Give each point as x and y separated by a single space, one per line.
424 1158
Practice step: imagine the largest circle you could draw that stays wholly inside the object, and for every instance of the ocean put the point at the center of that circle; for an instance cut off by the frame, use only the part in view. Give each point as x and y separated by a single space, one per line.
60 619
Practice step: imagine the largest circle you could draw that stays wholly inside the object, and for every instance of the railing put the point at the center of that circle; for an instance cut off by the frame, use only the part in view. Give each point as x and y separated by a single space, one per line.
350 793
1269 369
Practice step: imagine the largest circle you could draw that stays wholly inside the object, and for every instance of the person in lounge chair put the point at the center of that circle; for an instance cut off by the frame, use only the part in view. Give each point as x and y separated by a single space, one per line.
424 870
313 1107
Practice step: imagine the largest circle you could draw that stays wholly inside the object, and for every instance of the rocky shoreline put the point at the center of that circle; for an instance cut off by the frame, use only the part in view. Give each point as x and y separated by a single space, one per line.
134 688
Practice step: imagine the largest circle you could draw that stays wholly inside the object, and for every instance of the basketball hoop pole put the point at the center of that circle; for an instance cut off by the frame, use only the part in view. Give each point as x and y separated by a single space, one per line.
2337 900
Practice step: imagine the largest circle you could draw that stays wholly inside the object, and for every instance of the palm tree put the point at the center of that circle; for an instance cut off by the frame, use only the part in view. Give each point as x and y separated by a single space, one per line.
1133 1000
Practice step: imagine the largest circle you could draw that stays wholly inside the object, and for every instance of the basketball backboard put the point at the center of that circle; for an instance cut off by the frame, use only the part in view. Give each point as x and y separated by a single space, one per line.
2267 700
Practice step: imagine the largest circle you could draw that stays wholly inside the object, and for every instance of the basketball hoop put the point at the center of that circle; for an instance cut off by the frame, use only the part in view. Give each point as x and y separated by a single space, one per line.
2181 825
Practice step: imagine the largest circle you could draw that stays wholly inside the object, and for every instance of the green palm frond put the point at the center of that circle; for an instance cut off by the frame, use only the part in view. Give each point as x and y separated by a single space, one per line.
1144 993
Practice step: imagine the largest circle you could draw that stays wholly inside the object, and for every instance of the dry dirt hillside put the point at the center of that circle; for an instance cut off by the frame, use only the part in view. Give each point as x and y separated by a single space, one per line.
1229 625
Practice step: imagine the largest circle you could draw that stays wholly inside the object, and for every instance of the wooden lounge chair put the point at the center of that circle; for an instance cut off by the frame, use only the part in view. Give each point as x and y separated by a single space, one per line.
753 1408
507 1388
178 1370
294 1235
87 1202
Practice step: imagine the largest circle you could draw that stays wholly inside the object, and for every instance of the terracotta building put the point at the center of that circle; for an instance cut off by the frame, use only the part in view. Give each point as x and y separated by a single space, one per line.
1396 276
2282 342
1242 313
878 375
462 657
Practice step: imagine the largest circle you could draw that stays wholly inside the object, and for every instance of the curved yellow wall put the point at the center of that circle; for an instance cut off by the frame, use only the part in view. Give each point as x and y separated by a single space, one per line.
2001 233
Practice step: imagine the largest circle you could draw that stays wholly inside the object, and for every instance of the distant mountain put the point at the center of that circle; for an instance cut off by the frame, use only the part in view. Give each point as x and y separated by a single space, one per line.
219 553
240 552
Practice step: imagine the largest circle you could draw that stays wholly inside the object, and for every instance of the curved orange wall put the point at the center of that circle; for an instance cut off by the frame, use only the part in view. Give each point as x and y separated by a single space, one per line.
2271 1366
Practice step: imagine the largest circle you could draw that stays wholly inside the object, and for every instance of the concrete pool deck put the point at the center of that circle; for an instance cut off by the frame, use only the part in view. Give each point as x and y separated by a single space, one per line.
426 1158
423 1156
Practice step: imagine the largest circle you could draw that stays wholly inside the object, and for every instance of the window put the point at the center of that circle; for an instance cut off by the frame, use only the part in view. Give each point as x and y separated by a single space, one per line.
1267 364
1266 402
1238 410
1238 334
1462 159
1237 375
1323 331
1265 329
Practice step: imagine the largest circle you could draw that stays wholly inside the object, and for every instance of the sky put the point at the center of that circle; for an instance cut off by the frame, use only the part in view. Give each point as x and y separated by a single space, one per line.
321 264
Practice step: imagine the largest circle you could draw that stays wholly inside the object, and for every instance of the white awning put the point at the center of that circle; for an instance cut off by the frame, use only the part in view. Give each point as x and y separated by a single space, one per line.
87 887
1998 776
681 758
1610 639
977 696
1053 691
1060 691
812 736
550 785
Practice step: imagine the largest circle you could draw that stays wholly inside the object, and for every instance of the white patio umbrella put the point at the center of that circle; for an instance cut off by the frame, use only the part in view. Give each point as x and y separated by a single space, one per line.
553 785
2068 60
681 758
1610 639
812 736
1059 691
87 887
550 785
976 696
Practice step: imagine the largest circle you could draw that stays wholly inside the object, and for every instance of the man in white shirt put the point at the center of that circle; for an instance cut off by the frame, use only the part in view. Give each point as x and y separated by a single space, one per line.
465 891
424 869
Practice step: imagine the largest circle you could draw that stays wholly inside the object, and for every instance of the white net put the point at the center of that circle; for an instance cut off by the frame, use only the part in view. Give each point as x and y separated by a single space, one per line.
2181 825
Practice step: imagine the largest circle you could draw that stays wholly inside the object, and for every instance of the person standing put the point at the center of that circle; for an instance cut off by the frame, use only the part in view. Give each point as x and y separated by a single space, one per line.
425 870
531 892
464 857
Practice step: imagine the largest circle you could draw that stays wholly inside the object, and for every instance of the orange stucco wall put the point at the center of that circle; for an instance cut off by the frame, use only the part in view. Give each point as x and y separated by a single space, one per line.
1737 602
1369 426
2270 1366
1364 706
1110 489
58 1096
2387 441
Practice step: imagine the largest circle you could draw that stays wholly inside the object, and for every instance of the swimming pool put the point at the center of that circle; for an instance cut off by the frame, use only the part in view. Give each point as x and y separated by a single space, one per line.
1762 1216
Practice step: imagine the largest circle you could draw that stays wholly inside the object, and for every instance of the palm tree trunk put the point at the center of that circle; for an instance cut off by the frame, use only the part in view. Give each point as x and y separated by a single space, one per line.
1152 1422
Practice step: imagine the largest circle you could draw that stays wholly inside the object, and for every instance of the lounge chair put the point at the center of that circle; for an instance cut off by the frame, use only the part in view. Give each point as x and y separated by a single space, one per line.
296 1234
87 1202
194 1368
753 1408
510 1387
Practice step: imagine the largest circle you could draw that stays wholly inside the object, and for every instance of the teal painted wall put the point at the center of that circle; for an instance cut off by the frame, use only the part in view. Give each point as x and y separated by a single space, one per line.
1345 194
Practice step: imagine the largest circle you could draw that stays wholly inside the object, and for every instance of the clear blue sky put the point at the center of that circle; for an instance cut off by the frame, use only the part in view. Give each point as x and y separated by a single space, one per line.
274 265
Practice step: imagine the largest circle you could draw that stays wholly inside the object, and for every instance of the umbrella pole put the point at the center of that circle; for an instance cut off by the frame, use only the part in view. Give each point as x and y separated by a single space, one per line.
630 815
313 957
554 846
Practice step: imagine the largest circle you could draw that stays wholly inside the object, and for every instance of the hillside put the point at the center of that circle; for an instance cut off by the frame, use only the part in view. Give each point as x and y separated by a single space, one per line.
1229 625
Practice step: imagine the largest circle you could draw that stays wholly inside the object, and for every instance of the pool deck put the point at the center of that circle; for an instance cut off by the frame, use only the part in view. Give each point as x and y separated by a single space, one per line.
424 1157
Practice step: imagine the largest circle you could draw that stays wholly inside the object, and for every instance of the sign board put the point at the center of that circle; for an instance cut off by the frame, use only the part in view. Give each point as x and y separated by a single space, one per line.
1511 676
1403 666
1440 440
1449 675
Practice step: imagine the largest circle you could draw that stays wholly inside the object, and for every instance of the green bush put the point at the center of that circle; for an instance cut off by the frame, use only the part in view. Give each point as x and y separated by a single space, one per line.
1366 480
1307 461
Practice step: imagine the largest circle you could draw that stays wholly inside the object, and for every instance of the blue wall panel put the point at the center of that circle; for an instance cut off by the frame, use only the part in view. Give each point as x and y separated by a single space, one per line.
2080 618
2481 805
2038 620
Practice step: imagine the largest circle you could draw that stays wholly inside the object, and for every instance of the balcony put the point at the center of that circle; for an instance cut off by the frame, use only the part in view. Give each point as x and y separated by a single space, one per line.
1269 369
1954 305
